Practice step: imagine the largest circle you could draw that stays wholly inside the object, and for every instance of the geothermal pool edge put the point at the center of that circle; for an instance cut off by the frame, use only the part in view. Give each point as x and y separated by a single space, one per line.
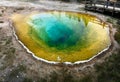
67 63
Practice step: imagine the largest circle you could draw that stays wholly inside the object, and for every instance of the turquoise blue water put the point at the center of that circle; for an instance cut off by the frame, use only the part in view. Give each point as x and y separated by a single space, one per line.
58 29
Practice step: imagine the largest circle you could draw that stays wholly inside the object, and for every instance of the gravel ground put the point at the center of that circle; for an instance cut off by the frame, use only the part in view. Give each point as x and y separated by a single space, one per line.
16 65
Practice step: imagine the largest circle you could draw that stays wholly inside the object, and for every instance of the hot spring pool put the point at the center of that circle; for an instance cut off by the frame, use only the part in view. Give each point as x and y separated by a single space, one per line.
58 36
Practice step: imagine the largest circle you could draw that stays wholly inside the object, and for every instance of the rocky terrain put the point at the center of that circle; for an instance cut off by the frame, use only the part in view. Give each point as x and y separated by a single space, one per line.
17 65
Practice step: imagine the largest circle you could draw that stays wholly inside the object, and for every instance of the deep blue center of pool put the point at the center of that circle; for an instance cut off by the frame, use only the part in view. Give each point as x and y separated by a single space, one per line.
57 30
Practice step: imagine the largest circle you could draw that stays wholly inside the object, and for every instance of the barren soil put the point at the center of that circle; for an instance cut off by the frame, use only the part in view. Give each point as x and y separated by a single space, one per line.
16 65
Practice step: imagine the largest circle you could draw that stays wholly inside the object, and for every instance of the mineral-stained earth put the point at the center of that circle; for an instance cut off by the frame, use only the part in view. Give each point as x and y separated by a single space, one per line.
17 65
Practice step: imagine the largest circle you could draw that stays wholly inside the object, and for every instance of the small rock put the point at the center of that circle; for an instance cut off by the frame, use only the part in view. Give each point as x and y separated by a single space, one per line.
17 76
20 8
1 21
